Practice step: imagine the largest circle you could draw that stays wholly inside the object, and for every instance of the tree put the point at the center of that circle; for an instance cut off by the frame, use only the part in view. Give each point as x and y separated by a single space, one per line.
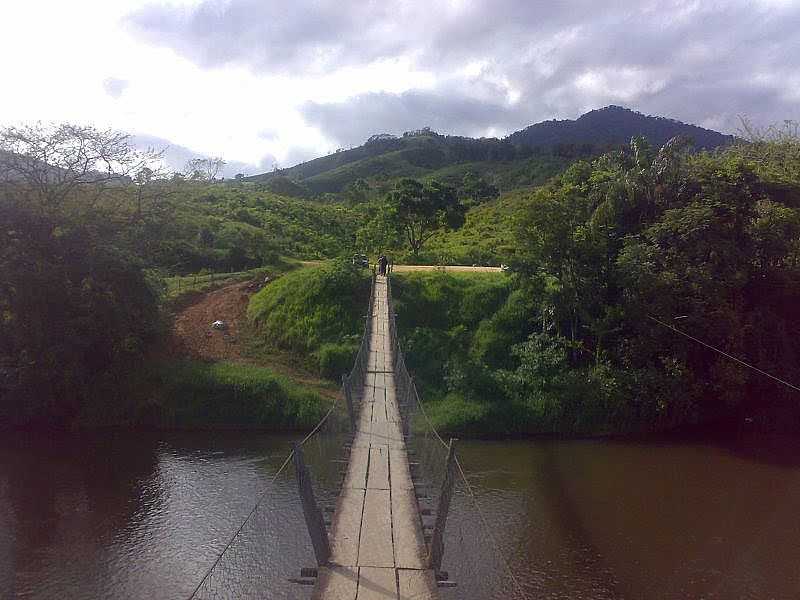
204 168
475 189
380 230
357 191
424 209
76 308
43 166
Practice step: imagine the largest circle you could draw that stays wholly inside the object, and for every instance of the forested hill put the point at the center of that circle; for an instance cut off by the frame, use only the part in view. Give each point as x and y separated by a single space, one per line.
419 153
615 125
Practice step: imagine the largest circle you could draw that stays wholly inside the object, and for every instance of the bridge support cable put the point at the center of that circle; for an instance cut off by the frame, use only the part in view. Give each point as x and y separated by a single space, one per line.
449 507
725 354
266 550
238 569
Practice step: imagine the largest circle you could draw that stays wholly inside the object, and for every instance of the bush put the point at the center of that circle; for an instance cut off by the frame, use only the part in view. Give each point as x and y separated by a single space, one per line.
75 313
336 359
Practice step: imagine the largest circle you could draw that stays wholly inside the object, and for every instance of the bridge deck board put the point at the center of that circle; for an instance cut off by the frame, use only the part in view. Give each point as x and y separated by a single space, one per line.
376 584
376 536
336 582
378 478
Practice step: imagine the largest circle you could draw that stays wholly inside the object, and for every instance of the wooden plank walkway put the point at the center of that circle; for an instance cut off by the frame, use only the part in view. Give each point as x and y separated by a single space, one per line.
377 546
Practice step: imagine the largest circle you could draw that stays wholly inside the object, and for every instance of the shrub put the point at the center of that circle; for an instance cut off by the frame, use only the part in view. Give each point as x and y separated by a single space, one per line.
336 359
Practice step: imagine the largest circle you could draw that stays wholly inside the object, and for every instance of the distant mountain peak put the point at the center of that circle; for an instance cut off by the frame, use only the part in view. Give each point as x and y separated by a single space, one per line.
615 125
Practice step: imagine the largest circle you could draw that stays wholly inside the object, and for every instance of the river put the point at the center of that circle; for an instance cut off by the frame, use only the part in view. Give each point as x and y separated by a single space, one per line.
142 516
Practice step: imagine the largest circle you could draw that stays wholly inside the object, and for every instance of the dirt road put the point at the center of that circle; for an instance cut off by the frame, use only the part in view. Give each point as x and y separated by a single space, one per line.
408 268
446 269
194 336
192 328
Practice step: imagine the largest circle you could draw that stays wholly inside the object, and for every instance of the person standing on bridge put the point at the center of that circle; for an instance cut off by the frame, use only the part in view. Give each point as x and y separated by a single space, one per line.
382 265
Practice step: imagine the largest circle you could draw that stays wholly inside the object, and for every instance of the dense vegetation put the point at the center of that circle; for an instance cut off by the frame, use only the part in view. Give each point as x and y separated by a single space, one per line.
707 243
74 312
605 257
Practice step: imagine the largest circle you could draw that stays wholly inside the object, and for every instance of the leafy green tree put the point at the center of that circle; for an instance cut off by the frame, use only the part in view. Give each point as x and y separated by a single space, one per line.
357 192
380 231
475 189
422 209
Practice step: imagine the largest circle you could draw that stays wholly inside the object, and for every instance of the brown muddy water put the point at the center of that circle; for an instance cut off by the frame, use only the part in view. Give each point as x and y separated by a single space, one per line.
142 516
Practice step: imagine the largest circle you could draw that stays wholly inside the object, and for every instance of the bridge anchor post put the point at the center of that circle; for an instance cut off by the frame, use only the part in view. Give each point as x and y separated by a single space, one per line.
313 516
436 552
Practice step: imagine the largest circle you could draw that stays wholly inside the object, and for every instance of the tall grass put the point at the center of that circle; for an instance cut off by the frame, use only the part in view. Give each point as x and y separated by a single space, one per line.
192 393
316 313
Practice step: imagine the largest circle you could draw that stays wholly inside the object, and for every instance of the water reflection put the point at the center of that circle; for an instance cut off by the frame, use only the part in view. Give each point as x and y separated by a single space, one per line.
604 519
134 516
143 516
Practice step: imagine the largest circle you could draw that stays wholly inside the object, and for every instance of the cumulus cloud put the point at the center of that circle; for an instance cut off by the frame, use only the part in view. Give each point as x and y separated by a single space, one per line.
499 65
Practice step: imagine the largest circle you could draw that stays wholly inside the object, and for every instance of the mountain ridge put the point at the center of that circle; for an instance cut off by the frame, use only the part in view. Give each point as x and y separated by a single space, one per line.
416 153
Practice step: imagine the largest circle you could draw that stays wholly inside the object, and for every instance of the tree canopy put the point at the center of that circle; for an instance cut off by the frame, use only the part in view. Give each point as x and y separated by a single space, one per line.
422 209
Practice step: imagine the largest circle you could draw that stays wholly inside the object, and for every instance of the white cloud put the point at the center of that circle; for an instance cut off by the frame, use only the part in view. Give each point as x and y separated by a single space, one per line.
216 76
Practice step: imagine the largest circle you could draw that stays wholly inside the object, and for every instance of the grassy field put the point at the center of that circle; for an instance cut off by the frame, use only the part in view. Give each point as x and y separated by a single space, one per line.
316 313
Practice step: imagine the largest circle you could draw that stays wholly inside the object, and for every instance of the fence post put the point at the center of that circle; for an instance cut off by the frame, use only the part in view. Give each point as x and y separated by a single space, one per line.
436 552
311 512
348 395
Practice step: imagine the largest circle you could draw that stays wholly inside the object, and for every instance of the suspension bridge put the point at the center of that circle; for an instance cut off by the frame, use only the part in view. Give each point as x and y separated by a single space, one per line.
377 525
377 548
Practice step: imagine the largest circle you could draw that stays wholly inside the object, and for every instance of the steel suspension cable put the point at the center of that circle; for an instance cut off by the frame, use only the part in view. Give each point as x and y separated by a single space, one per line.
725 354
261 497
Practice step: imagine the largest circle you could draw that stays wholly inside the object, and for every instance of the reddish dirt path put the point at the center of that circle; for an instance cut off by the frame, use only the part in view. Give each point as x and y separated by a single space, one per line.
192 327
193 336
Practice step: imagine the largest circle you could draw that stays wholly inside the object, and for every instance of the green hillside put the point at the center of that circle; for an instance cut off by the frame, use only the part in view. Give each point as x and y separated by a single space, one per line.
524 158
487 237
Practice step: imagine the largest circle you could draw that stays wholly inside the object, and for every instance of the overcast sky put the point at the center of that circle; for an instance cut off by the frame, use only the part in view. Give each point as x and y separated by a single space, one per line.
261 82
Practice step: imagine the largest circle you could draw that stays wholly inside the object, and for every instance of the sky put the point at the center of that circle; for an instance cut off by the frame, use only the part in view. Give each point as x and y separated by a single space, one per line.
265 83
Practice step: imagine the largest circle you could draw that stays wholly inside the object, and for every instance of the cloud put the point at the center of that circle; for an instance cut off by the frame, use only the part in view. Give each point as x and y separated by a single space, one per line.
114 87
309 34
496 66
175 157
351 122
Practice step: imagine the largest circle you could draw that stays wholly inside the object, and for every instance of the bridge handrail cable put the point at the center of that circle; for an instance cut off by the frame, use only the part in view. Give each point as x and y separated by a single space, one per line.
359 367
407 383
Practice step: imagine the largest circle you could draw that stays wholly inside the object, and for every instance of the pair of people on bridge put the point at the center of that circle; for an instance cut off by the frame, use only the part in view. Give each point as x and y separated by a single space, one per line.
384 265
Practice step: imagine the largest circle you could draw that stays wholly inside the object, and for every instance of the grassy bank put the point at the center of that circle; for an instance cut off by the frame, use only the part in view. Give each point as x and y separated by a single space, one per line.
194 394
316 313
